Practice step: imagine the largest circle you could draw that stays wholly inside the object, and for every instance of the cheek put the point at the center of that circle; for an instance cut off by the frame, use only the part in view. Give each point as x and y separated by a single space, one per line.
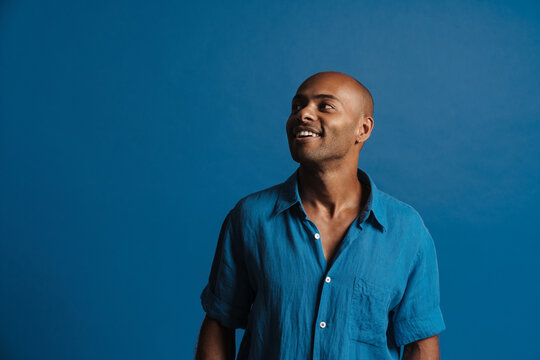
288 124
341 135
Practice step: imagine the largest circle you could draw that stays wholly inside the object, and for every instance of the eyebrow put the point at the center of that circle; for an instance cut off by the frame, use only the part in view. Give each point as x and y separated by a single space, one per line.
318 96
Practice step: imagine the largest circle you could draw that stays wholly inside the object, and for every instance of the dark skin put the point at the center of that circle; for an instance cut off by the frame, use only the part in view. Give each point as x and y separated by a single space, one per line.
339 111
328 184
216 342
423 349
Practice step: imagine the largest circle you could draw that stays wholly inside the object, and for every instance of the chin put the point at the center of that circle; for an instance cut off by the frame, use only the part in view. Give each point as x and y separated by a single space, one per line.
303 159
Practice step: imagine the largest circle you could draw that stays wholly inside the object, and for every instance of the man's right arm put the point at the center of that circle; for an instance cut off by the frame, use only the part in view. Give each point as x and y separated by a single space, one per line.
216 342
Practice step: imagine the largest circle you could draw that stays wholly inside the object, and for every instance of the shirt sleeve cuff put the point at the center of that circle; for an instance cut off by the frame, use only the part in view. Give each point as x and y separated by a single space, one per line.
410 330
226 314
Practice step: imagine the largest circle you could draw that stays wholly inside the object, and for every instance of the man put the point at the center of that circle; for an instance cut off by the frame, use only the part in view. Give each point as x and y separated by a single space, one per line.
324 265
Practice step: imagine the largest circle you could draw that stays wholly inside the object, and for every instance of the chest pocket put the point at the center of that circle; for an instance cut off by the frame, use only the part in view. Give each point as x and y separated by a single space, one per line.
369 313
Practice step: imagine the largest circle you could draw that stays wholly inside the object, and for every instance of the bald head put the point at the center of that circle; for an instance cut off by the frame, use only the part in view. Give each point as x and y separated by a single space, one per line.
361 95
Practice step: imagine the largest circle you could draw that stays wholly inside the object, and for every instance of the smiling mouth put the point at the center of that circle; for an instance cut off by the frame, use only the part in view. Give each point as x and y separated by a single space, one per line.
306 135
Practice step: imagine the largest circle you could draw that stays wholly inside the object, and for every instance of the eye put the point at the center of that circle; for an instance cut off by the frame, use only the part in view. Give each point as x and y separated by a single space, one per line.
296 106
326 106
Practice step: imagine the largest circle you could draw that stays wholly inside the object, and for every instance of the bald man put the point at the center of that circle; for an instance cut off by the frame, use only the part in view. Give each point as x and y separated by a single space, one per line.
324 265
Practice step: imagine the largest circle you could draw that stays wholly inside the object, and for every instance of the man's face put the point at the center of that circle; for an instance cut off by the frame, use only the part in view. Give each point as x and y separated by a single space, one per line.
328 106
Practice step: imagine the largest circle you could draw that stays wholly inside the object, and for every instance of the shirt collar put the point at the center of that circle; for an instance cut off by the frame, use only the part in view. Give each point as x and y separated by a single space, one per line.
289 195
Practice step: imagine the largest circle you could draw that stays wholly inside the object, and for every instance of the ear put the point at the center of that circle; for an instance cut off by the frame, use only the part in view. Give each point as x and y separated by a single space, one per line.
363 130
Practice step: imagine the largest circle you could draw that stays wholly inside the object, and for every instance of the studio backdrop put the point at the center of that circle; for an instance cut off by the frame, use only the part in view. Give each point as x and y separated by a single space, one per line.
128 130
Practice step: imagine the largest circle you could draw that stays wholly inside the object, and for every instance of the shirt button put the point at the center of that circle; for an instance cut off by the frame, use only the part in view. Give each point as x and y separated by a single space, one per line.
322 324
328 279
317 236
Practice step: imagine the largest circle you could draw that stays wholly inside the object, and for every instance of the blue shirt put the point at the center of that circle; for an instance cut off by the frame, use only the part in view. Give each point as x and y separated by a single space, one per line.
270 277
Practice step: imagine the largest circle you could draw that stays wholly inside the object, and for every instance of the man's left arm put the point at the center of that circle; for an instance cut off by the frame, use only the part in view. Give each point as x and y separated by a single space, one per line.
418 317
423 349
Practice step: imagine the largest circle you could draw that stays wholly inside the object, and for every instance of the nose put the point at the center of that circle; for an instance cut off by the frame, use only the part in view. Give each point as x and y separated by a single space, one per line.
306 113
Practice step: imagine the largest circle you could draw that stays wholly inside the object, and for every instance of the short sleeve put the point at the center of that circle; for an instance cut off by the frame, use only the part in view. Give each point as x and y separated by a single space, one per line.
418 315
227 296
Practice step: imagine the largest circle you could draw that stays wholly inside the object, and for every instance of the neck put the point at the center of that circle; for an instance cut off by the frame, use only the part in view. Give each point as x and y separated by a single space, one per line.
330 190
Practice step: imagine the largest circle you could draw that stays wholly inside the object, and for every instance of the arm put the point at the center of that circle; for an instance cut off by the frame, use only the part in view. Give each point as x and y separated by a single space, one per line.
216 341
418 316
228 295
423 349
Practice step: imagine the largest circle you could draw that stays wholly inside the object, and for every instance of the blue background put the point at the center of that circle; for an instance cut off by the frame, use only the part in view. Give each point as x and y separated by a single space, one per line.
130 128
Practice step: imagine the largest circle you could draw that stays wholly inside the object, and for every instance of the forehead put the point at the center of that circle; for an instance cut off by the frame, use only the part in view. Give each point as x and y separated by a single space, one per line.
339 87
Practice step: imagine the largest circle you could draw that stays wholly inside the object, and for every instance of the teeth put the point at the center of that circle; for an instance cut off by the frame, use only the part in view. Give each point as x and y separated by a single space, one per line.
306 133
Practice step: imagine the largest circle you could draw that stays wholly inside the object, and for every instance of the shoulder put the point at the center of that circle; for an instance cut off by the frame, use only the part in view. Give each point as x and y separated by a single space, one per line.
400 211
404 219
256 206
